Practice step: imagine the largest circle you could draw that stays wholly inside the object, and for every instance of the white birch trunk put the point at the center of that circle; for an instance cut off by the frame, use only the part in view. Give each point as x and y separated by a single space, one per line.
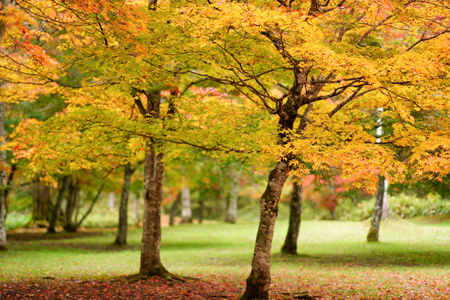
186 212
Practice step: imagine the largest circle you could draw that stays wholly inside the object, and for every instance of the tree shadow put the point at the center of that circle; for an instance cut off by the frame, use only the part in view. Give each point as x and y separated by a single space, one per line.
378 256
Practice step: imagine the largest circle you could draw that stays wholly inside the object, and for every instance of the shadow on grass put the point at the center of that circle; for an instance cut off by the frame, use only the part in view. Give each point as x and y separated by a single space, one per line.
374 257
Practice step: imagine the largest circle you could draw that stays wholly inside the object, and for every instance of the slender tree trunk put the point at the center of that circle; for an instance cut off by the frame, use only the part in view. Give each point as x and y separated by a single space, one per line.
112 201
222 195
174 209
259 280
234 194
386 210
186 212
63 184
136 210
74 192
3 183
121 238
201 210
376 216
295 218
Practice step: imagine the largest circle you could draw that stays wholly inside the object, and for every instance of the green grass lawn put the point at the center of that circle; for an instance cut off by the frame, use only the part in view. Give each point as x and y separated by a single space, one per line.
412 261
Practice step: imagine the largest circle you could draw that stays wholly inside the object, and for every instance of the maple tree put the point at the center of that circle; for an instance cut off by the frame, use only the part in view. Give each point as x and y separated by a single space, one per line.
321 69
318 69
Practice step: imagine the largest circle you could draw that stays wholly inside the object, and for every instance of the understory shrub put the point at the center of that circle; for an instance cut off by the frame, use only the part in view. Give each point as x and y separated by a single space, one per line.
408 206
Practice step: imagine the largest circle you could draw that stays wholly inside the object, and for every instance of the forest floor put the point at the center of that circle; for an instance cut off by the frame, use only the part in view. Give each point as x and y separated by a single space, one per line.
412 261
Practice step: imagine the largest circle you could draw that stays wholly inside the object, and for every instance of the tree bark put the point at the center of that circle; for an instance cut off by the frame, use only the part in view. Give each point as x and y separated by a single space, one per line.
295 218
259 280
376 216
121 238
186 212
63 183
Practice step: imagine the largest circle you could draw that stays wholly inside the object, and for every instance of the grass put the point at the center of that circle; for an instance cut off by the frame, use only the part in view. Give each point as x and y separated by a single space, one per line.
411 261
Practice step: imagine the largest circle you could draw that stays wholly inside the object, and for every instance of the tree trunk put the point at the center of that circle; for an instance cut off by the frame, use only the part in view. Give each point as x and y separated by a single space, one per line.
3 183
112 201
41 198
174 209
63 183
136 210
385 211
186 212
295 218
201 210
153 192
151 236
376 216
234 194
121 238
259 280
222 195
72 199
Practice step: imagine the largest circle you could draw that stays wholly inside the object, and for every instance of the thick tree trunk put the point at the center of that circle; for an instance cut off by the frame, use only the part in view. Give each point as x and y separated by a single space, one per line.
63 184
72 199
295 218
121 238
174 209
376 216
234 194
151 236
259 280
41 198
186 212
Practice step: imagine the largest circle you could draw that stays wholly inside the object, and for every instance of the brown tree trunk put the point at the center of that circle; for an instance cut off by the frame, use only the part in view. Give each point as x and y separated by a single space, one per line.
153 191
259 280
121 238
151 236
295 218
63 184
136 210
376 216
41 198
72 199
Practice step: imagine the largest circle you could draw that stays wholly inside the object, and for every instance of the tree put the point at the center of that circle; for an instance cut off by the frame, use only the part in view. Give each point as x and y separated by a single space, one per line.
5 6
320 70
295 217
122 227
